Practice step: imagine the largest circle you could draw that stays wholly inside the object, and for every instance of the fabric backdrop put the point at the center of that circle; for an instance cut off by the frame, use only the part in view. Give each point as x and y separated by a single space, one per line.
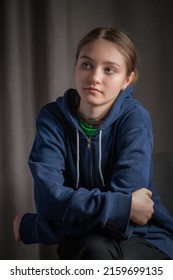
37 47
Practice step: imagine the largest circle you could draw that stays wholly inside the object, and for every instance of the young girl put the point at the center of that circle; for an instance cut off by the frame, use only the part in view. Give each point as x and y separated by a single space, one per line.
91 163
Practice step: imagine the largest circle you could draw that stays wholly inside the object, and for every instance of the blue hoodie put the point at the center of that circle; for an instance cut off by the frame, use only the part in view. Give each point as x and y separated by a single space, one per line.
84 185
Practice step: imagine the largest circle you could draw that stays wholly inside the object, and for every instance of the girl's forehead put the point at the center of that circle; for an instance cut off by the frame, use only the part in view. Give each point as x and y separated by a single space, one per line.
101 49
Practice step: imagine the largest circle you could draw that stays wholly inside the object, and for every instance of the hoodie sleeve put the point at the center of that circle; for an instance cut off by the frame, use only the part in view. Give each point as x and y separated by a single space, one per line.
133 167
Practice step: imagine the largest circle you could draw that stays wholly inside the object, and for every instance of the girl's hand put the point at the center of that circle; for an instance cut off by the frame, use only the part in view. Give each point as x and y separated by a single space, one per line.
16 227
142 206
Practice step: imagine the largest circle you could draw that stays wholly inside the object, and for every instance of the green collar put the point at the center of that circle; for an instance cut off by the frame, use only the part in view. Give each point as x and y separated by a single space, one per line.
88 129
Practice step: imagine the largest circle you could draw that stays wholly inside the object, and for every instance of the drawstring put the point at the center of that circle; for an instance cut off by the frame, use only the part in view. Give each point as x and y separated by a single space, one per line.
77 163
100 158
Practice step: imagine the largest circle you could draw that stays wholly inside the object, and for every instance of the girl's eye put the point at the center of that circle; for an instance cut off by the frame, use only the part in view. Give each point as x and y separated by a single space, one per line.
86 65
109 70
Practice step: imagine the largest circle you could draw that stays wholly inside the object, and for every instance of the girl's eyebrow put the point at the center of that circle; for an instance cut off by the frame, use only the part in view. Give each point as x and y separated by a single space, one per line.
105 62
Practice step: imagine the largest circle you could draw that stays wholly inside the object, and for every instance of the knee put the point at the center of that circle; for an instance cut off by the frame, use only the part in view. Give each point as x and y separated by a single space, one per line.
97 248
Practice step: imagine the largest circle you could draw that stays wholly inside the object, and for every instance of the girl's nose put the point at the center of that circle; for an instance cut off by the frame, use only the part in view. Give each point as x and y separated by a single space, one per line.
95 76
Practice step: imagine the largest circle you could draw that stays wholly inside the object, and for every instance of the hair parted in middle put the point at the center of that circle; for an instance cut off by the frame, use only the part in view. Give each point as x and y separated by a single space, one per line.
122 41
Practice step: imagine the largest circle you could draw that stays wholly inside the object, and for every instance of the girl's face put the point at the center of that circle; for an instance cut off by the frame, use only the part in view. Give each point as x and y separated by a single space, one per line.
100 74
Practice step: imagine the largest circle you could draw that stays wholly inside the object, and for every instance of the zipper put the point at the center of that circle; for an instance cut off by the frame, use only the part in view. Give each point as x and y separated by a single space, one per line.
89 143
89 147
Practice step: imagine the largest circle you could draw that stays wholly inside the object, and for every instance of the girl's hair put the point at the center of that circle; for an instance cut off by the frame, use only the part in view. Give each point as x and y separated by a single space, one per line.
122 41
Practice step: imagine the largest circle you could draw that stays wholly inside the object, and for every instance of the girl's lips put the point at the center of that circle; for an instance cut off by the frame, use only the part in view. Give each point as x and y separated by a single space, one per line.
92 89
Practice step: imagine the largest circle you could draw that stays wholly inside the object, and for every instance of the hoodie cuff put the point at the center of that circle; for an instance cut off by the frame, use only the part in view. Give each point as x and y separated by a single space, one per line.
120 224
27 229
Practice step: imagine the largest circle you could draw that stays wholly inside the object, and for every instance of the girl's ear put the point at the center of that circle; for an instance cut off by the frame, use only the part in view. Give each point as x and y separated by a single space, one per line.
129 79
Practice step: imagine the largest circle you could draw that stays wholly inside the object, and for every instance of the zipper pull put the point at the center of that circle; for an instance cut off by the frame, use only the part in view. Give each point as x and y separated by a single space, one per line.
89 143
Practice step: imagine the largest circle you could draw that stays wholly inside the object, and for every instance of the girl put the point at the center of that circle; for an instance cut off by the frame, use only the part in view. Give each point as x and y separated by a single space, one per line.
91 163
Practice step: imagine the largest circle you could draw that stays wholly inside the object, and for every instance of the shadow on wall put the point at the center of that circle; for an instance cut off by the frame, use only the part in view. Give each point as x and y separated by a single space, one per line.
163 178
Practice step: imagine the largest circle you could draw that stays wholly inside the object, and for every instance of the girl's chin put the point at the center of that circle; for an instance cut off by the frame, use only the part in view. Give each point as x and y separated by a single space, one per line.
91 101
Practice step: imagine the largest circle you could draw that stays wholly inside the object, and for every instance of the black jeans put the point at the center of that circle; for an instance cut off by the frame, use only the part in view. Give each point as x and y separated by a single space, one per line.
102 247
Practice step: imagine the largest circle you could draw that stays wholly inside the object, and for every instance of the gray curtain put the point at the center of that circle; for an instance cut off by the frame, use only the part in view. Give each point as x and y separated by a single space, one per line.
37 48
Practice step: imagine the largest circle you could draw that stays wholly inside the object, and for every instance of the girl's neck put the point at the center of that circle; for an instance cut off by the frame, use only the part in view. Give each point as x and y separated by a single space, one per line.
93 112
91 122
